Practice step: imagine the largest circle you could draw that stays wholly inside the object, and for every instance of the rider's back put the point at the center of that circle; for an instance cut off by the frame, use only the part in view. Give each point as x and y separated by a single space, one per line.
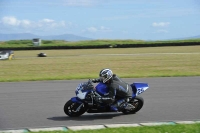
123 89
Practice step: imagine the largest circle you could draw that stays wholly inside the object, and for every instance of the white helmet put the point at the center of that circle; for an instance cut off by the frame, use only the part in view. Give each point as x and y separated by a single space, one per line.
105 75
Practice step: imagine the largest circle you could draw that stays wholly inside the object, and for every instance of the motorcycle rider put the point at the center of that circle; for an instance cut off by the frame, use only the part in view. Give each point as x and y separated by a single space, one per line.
118 89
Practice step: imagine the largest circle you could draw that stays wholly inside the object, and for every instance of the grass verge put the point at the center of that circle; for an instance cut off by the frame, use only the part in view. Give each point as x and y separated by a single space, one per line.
86 63
179 128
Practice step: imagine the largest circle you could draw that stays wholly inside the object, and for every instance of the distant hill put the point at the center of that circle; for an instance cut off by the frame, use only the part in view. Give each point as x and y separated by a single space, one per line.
194 37
187 38
28 36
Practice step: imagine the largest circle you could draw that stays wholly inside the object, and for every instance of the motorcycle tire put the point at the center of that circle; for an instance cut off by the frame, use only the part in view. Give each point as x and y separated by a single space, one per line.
70 109
137 102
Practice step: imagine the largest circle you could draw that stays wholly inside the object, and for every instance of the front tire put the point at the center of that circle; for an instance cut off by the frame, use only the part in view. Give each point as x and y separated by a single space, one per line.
137 102
70 109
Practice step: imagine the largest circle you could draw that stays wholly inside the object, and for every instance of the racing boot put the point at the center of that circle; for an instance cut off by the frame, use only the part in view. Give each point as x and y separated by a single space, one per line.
113 108
117 105
128 106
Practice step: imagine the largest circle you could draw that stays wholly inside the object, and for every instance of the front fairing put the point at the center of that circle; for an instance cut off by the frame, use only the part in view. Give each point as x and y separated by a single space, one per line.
81 94
82 91
76 100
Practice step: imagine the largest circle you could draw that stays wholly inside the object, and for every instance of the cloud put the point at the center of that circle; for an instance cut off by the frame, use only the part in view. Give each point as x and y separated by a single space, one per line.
97 29
160 24
47 20
12 23
92 29
162 27
104 29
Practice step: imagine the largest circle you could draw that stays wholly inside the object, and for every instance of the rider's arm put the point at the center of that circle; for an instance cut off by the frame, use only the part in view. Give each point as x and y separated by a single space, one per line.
96 80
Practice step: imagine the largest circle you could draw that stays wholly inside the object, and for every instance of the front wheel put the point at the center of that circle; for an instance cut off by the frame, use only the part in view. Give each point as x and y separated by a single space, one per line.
137 102
73 109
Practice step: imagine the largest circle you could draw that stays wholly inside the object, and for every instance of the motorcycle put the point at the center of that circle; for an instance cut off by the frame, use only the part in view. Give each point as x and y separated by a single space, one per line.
86 95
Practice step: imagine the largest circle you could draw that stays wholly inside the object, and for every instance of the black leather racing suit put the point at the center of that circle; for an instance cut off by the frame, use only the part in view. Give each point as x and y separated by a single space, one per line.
118 89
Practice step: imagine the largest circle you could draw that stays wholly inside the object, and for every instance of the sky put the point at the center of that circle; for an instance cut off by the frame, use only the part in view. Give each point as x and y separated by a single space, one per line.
103 19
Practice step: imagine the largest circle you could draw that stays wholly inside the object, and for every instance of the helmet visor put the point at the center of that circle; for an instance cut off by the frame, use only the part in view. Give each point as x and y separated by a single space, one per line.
104 78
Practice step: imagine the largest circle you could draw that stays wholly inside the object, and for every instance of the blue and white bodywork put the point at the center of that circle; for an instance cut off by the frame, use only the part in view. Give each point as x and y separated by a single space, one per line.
102 89
86 95
80 93
139 88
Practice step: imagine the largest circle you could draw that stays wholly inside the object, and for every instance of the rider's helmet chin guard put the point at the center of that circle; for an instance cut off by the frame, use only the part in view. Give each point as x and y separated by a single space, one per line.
105 75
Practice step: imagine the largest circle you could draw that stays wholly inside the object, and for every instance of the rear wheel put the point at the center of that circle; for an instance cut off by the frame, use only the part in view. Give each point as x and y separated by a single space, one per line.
137 102
74 109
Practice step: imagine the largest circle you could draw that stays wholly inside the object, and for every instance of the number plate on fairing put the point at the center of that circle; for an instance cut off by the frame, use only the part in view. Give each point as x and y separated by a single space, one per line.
141 87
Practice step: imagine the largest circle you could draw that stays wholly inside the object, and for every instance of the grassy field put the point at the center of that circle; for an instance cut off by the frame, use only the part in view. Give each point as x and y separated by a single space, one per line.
28 43
180 128
86 63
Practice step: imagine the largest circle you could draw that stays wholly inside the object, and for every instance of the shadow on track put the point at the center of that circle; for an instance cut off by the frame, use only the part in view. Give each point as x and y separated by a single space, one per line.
85 117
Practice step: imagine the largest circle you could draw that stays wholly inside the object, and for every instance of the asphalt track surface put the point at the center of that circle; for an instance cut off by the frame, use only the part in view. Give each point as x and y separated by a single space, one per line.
40 104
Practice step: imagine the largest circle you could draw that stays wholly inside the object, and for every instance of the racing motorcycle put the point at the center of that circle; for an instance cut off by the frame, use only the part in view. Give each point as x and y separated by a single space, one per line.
86 95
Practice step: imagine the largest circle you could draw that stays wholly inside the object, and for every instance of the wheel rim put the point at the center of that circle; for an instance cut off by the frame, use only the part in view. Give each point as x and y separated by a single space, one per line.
135 103
71 109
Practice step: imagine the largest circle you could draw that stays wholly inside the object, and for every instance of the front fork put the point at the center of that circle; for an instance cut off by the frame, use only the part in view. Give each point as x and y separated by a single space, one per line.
79 107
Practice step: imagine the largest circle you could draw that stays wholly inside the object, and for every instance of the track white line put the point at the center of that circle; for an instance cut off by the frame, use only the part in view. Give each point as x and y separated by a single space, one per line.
142 54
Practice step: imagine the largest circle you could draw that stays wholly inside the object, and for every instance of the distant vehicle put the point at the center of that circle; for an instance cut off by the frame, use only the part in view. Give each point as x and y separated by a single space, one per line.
42 55
6 55
37 41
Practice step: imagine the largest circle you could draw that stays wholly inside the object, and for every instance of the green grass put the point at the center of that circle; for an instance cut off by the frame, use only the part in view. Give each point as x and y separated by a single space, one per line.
86 63
179 128
28 43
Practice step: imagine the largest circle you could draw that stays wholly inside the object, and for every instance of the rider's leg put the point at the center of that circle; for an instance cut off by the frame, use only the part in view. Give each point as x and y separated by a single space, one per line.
117 105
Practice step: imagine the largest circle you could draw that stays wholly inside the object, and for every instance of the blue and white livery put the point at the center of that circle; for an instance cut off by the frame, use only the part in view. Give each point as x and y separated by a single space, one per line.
86 94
